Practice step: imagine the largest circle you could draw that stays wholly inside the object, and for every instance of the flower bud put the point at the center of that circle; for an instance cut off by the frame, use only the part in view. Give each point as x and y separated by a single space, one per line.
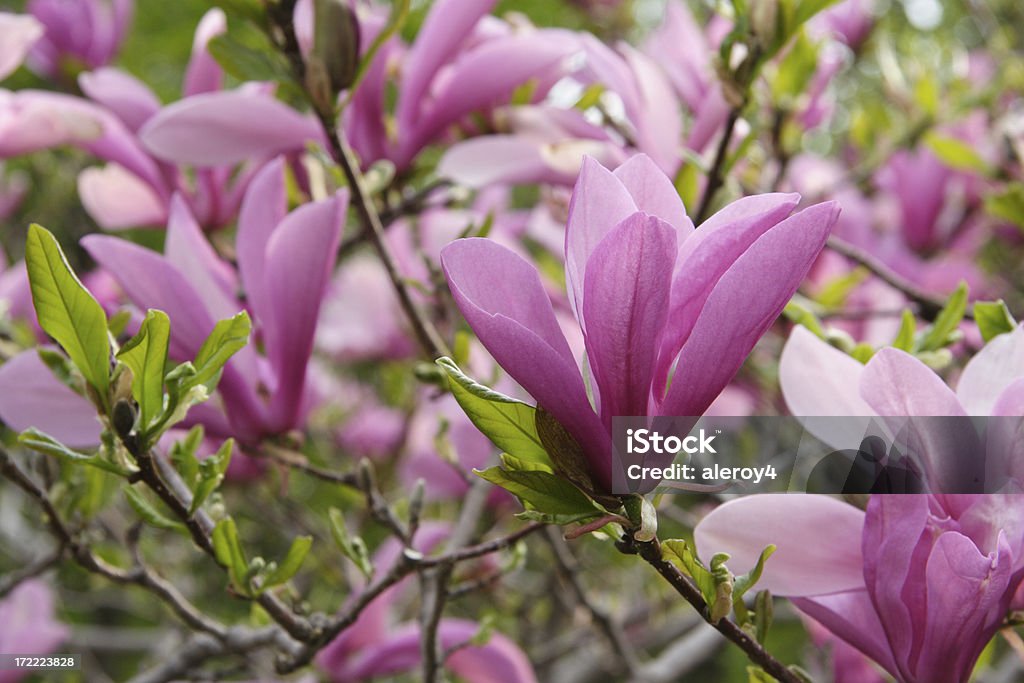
122 418
333 63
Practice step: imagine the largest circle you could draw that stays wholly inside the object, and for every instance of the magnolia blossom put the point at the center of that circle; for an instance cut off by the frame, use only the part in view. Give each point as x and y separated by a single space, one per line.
28 625
462 61
121 123
284 262
652 296
919 583
80 34
375 646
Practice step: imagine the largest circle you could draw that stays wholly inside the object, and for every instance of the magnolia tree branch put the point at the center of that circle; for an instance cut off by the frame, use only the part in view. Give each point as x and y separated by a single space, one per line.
651 553
284 34
716 177
609 627
928 305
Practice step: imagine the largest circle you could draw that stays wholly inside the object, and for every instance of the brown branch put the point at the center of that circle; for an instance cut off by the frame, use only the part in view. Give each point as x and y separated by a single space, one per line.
716 175
651 553
929 306
608 627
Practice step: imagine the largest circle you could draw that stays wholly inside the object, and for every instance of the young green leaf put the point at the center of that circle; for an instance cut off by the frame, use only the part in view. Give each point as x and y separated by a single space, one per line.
290 564
544 492
149 513
905 337
947 322
1008 204
508 423
353 547
146 355
226 339
228 551
211 474
993 319
955 153
715 584
47 445
183 455
65 308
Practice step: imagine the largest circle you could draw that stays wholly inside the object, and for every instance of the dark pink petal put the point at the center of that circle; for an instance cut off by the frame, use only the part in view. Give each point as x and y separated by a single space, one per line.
627 285
851 616
743 304
503 300
705 256
263 209
447 26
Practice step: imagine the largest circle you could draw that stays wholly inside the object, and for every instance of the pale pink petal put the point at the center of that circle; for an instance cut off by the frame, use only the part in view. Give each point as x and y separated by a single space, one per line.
117 198
991 371
18 32
806 562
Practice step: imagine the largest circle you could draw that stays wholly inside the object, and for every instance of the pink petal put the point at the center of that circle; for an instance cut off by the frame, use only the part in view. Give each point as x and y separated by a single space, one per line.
204 74
30 396
219 128
628 279
653 192
817 539
743 304
128 97
986 376
118 199
299 258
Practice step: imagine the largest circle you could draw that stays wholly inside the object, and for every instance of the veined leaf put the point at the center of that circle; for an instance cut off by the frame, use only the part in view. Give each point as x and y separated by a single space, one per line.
544 492
65 308
508 423
993 318
947 321
228 550
47 445
149 513
226 339
146 355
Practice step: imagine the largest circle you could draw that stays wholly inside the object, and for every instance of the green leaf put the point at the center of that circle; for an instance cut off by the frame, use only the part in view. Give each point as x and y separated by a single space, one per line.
146 355
715 584
47 445
226 339
183 455
806 9
905 337
508 423
955 153
228 551
248 54
290 564
1008 204
148 512
801 315
65 308
590 97
863 352
947 322
764 614
543 492
745 582
353 547
993 319
211 474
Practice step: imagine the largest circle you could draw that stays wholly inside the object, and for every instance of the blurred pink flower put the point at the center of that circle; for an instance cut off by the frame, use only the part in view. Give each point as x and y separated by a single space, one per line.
28 624
18 32
79 34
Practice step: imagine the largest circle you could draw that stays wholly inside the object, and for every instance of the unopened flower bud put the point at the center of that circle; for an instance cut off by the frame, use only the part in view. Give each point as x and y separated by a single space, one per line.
122 418
333 63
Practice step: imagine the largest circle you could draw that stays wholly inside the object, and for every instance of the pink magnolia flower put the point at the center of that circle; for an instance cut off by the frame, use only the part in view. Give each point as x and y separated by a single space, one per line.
80 34
18 32
851 21
121 124
375 646
652 296
284 262
462 61
28 624
919 583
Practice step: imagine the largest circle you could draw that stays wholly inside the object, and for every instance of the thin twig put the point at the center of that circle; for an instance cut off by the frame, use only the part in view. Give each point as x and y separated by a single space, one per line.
929 306
609 627
716 175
